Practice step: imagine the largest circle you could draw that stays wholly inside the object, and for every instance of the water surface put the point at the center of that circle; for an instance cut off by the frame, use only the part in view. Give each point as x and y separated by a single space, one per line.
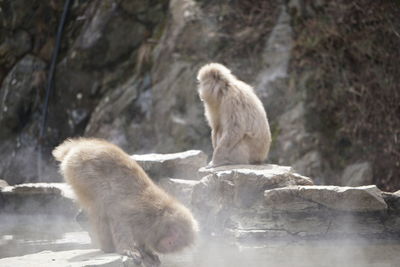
21 235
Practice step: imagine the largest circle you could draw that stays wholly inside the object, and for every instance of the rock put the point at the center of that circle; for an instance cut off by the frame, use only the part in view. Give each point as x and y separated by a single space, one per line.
357 174
70 258
183 165
309 164
211 201
355 199
108 31
17 93
114 103
295 145
276 54
250 181
231 188
284 200
269 167
272 202
13 47
182 189
346 225
3 183
254 235
39 198
294 223
392 200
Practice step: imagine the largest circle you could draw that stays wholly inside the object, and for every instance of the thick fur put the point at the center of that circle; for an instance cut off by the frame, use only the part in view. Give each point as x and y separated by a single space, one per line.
240 132
129 213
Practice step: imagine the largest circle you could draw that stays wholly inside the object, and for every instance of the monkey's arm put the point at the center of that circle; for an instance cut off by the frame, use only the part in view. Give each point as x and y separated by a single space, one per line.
125 243
233 124
233 132
123 238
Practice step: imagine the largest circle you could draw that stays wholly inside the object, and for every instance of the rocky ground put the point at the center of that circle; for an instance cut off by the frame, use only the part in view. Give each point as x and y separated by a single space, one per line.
245 204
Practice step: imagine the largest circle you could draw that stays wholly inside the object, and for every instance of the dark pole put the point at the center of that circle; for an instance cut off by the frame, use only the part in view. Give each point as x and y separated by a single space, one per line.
50 80
50 84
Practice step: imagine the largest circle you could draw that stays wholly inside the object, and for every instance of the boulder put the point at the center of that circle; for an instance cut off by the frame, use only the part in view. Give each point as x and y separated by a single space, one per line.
229 190
357 174
273 202
249 181
392 200
70 258
183 165
182 189
38 198
354 199
3 183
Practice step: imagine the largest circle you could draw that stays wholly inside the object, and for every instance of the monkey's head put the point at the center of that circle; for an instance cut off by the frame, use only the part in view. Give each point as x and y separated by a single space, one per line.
214 80
176 230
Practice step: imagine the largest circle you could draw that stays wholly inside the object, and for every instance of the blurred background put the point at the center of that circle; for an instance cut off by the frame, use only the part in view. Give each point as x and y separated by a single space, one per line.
327 72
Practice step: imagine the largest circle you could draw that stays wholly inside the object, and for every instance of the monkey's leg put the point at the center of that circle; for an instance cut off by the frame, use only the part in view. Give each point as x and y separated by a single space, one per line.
102 231
228 149
237 154
123 237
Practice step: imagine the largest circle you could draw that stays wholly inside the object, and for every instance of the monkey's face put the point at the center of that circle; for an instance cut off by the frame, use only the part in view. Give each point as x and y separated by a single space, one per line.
172 241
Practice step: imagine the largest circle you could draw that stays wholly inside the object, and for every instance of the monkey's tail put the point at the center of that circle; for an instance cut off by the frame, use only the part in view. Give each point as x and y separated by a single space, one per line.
62 150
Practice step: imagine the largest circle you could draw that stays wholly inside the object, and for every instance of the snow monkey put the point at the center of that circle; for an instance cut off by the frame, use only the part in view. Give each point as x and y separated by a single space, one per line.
128 213
240 131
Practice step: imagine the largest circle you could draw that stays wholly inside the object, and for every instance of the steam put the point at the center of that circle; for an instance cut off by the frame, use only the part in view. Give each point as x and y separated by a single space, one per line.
314 253
26 234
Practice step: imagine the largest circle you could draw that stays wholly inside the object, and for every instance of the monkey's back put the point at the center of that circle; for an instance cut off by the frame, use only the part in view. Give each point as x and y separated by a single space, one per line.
259 129
251 118
100 172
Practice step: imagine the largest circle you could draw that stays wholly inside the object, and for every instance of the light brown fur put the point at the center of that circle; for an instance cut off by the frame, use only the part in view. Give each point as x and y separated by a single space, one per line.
240 132
129 213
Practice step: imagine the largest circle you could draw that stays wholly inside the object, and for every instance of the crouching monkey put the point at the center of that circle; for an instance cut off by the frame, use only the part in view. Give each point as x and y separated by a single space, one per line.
128 213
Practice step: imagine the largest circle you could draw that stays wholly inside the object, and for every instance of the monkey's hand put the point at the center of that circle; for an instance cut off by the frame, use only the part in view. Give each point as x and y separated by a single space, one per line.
149 258
134 254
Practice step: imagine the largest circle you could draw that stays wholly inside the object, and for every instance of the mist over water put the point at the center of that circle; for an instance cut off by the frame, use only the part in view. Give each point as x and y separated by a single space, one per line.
21 235
376 253
26 234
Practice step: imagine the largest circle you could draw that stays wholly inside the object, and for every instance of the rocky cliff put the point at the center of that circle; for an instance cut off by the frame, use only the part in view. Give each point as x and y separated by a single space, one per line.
126 72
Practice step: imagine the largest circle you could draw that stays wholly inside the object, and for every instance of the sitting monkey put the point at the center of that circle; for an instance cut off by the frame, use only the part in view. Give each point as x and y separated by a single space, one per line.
240 131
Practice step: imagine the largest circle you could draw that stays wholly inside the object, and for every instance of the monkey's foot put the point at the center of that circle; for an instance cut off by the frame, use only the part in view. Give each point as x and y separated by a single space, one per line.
134 254
210 165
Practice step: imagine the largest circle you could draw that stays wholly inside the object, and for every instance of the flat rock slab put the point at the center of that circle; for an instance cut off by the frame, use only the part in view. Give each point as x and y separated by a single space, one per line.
248 182
179 188
70 258
252 168
183 165
38 198
355 199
